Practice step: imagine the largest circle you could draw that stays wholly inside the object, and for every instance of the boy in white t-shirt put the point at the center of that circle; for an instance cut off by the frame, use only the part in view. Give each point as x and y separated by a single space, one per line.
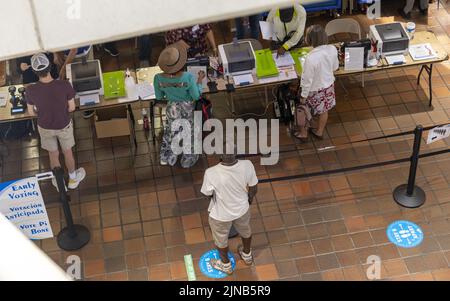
232 185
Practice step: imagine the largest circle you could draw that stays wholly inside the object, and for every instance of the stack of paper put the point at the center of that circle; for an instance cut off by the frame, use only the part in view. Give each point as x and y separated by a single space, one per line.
422 52
145 91
3 99
267 30
354 58
396 59
284 60
242 80
194 70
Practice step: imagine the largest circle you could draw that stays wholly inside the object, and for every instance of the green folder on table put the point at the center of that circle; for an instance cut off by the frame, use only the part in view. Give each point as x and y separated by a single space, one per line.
114 84
299 54
265 64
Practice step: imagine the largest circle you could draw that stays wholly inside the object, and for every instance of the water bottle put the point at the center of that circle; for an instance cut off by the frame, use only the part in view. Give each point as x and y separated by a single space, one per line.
145 119
130 85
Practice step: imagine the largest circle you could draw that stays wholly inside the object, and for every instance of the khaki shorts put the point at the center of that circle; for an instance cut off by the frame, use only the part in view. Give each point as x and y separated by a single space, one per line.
50 138
221 230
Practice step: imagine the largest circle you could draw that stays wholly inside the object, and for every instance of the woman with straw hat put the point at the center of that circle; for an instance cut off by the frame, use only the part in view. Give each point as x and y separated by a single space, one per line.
180 90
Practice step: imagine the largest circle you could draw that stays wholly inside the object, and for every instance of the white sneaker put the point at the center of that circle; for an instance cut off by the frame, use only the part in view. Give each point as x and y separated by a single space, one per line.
163 163
80 174
56 184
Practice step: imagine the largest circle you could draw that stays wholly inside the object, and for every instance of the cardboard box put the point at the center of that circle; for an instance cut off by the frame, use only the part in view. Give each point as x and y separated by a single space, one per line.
112 122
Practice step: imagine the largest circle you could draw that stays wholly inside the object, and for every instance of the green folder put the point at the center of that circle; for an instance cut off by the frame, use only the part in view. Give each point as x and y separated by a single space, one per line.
114 84
265 64
297 55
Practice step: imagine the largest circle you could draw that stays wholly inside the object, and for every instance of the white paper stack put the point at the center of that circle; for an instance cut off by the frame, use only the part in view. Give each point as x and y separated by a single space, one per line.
354 58
284 60
243 79
194 70
422 52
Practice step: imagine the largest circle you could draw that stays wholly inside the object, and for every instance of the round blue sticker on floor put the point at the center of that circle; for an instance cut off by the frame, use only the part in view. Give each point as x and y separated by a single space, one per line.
208 270
405 234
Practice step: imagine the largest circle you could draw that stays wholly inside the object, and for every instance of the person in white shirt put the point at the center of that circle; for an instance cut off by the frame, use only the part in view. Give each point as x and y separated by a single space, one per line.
317 81
232 185
288 26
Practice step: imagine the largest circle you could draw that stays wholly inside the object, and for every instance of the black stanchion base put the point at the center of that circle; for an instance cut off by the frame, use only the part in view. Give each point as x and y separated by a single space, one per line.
69 243
233 233
416 200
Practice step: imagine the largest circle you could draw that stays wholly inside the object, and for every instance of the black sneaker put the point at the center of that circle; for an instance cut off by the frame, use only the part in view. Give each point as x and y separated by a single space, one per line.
112 50
402 13
88 114
424 12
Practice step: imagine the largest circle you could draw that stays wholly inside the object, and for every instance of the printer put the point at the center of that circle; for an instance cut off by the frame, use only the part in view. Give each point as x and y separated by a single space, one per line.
87 80
390 38
237 58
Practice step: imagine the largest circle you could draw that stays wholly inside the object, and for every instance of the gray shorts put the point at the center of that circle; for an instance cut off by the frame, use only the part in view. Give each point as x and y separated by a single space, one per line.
221 230
50 138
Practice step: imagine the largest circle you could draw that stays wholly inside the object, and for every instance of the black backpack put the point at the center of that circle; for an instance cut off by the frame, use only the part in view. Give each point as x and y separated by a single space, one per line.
287 99
16 130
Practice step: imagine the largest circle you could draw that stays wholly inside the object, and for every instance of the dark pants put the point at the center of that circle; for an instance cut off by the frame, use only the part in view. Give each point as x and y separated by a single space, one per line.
254 27
145 47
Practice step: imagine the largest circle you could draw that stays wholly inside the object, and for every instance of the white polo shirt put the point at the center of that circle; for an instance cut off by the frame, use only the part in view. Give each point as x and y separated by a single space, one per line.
230 184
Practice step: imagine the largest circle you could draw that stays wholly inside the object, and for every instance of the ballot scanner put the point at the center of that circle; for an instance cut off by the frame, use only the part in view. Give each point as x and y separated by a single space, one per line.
390 39
87 81
237 58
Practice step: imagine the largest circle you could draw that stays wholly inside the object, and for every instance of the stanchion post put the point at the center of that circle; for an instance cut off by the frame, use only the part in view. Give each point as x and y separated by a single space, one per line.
409 195
72 237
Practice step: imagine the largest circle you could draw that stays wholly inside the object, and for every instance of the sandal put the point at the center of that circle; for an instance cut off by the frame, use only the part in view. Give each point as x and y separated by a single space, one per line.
220 266
315 135
302 139
247 258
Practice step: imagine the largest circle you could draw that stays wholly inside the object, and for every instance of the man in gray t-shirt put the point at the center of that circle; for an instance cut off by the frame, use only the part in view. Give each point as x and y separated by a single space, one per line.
53 101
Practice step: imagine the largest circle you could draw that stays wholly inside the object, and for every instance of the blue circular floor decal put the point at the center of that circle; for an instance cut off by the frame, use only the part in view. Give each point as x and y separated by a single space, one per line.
208 270
405 234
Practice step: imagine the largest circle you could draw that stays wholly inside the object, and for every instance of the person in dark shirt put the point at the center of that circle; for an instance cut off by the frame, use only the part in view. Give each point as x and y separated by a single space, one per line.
28 76
53 100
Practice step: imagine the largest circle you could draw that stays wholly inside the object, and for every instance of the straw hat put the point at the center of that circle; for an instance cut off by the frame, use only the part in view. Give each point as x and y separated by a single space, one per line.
173 58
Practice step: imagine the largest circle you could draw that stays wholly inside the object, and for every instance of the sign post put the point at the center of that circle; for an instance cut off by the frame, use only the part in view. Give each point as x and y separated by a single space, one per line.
72 237
409 195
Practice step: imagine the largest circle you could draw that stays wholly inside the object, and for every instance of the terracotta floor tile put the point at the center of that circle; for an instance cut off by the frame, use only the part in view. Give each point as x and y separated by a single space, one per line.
322 246
167 196
342 242
348 258
131 231
135 245
273 222
152 227
336 227
354 273
247 274
138 275
297 234
194 236
155 257
312 216
441 275
135 261
178 270
286 268
191 221
112 234
307 265
94 267
327 262
283 252
302 249
118 276
263 256
355 224
396 267
317 230
362 239
115 264
159 272
277 237
333 275
435 261
267 272
388 251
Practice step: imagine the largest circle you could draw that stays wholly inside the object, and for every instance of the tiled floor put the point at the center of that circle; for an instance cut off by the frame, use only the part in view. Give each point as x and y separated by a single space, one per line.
144 217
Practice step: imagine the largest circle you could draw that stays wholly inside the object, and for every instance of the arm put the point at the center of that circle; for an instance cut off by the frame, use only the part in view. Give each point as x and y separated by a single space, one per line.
207 189
307 78
196 88
159 94
71 105
300 29
31 110
252 190
212 41
69 59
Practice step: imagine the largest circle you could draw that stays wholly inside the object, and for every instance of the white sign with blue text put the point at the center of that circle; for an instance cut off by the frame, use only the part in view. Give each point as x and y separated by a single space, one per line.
22 204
